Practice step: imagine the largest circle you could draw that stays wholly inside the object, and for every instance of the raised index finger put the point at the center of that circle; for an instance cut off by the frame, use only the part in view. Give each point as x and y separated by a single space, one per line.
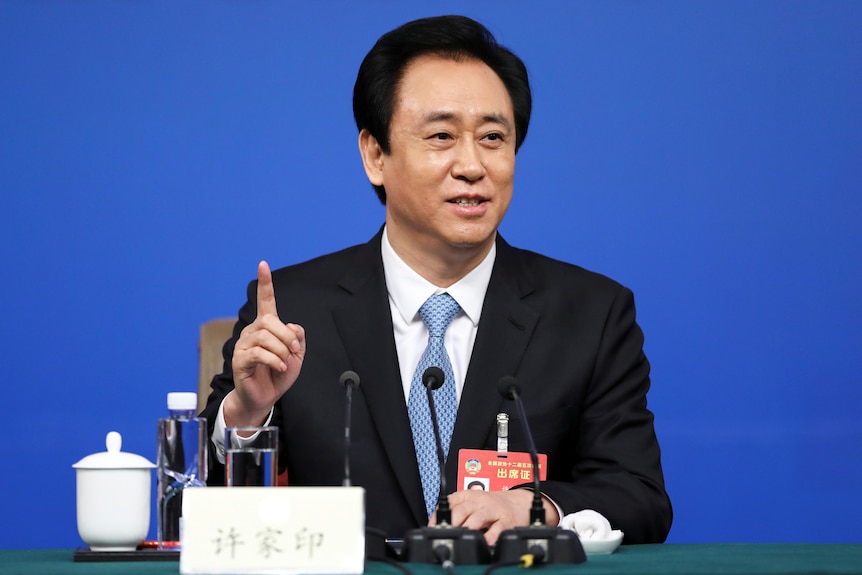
265 291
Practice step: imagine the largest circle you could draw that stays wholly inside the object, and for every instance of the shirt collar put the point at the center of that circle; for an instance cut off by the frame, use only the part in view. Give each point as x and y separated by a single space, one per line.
408 290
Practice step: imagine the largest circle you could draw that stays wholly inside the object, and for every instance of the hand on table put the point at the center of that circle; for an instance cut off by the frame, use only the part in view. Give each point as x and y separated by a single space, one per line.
494 511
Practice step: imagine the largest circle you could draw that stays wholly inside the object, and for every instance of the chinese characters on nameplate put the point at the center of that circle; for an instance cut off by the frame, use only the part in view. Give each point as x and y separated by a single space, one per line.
265 530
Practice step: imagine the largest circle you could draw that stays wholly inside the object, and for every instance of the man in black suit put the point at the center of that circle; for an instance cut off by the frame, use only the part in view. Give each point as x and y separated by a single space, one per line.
442 110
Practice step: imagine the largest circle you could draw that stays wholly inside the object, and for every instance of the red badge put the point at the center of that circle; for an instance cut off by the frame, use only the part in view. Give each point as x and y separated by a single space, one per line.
487 470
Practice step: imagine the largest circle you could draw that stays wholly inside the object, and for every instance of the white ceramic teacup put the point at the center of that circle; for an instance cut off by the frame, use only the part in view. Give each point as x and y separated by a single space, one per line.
113 498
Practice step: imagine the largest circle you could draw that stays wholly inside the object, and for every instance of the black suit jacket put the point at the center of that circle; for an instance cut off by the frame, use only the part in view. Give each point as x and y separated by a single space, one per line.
569 337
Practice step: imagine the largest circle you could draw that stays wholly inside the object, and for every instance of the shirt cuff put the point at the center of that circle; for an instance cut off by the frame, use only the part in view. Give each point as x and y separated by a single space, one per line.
559 509
554 503
220 427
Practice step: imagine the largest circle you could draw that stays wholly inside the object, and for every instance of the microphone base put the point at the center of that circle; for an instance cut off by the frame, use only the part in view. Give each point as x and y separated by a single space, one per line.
559 546
460 545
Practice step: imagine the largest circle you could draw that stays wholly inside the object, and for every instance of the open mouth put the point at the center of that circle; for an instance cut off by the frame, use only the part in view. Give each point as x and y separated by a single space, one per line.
467 202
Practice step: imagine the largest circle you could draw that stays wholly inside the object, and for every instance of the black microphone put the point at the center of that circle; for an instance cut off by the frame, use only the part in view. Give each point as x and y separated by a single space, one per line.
376 548
433 379
443 543
508 388
546 544
349 380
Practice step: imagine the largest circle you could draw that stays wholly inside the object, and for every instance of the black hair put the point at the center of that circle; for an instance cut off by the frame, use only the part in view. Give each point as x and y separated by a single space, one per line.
454 37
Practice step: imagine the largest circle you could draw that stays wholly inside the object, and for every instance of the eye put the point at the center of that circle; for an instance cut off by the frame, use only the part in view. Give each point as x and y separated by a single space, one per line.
441 136
494 139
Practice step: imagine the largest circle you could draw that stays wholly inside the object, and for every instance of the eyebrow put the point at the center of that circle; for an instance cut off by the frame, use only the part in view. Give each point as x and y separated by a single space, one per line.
451 117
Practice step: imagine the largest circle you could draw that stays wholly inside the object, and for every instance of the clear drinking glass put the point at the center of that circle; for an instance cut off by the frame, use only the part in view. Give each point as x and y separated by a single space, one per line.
251 456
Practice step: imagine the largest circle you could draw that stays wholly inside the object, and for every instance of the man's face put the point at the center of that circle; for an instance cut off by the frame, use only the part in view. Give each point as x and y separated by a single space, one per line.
451 166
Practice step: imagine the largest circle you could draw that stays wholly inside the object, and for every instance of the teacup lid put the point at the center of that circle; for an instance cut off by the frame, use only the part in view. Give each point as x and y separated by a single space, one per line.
114 458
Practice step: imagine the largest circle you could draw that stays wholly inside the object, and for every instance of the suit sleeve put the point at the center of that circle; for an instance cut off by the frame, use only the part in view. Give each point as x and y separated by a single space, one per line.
617 469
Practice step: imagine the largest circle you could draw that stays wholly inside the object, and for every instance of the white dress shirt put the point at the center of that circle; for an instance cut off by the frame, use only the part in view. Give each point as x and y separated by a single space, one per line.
408 291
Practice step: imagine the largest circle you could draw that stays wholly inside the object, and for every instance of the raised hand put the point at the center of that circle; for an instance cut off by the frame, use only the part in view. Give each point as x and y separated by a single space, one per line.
267 359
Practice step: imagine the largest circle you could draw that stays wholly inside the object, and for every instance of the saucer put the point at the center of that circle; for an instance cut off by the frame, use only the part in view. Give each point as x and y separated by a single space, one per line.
603 546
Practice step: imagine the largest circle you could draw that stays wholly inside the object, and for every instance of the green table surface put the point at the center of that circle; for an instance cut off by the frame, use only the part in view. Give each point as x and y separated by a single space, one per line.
628 560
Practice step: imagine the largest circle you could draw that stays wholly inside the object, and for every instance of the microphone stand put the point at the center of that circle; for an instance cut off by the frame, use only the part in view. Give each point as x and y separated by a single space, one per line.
546 544
349 379
442 543
444 513
376 548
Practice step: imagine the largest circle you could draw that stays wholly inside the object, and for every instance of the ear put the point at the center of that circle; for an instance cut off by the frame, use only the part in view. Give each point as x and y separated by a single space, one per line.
372 157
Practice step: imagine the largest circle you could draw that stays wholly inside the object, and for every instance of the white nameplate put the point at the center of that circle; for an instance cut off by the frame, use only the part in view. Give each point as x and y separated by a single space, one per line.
273 530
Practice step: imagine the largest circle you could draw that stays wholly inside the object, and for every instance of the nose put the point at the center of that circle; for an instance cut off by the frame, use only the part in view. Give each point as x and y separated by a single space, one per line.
468 164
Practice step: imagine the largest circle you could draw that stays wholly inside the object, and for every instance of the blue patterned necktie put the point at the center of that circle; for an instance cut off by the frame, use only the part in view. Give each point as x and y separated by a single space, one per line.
437 312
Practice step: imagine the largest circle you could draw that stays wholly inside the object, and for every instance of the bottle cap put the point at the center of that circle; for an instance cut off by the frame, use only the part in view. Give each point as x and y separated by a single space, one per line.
182 401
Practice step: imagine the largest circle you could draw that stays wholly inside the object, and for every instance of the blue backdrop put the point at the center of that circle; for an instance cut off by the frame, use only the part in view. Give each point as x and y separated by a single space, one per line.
706 154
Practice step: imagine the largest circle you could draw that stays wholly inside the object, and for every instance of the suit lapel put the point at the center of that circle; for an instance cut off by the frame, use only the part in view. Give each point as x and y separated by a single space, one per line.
364 323
505 329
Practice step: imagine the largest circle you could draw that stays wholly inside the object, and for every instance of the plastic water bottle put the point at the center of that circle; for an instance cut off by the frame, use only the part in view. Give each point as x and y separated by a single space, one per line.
181 463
